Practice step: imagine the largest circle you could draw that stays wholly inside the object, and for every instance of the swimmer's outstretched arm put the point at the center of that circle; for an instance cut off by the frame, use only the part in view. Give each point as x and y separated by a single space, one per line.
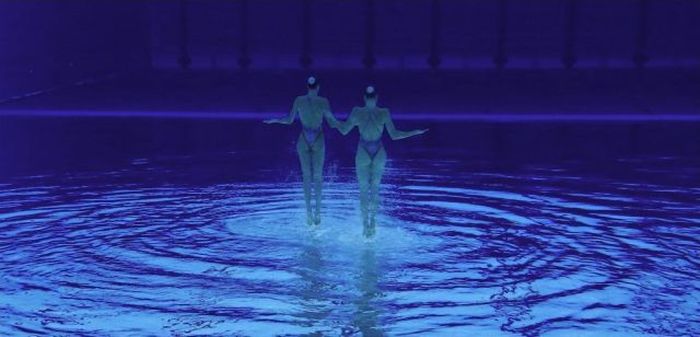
286 120
330 118
398 134
351 122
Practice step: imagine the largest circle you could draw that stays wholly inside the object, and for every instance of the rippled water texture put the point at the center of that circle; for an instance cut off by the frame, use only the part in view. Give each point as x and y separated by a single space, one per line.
211 240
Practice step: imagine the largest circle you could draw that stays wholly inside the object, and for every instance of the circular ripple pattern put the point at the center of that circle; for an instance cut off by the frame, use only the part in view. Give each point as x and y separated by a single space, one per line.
539 253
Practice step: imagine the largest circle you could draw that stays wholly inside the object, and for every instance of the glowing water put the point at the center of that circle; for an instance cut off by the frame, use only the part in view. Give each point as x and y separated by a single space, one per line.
536 251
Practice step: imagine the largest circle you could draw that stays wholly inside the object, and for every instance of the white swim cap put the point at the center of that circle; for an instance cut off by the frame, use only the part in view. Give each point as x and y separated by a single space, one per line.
370 92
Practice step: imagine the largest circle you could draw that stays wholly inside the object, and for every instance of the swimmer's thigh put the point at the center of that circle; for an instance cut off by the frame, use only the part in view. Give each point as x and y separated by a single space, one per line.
304 157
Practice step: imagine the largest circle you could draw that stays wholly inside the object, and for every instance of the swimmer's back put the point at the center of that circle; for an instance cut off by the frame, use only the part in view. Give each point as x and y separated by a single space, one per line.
370 122
311 110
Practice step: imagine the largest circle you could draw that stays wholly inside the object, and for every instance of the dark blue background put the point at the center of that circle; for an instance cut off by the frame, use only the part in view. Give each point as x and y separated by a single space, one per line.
251 56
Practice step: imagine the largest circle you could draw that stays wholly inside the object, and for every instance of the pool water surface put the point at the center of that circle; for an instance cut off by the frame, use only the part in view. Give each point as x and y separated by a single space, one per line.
150 227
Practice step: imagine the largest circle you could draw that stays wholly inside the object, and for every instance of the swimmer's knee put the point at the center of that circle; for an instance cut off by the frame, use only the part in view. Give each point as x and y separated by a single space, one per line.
364 186
377 177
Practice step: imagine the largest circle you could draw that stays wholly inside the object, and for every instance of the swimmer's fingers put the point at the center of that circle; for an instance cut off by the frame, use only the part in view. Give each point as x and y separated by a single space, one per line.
421 131
270 121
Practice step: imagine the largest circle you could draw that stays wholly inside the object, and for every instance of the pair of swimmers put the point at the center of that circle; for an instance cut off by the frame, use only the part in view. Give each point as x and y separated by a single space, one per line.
370 158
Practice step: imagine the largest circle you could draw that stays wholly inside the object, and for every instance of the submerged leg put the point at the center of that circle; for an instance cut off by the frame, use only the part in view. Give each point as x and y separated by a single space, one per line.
317 158
305 161
377 171
362 168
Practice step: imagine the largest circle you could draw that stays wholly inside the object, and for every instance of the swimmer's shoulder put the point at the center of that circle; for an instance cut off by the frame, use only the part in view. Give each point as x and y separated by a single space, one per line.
357 110
324 100
303 100
316 98
383 113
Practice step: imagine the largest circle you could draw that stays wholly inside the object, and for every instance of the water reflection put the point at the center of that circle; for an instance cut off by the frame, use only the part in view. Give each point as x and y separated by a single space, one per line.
314 288
366 317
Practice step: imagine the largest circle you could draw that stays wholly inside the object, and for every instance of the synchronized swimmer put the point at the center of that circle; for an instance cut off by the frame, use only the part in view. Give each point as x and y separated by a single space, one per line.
370 159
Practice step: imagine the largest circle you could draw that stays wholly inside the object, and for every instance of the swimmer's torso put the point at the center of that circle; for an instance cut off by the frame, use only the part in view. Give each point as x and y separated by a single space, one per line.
370 122
311 110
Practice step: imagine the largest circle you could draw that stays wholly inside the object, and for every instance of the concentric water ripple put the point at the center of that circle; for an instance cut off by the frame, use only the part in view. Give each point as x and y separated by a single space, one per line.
540 252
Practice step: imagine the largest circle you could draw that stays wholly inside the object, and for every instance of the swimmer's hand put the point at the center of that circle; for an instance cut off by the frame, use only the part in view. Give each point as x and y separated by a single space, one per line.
419 132
285 121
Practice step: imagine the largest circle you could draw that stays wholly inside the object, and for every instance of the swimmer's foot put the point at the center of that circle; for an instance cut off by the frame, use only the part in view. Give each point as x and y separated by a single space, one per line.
317 219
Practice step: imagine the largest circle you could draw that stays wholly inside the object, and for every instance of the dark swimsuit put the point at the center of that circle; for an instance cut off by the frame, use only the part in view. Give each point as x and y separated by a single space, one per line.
372 147
311 134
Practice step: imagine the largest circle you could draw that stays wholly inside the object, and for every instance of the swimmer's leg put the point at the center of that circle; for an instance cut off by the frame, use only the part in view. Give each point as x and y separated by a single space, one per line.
318 156
363 170
377 171
305 161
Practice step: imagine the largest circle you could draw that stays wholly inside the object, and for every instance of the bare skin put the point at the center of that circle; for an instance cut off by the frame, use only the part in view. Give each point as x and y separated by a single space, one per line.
371 121
312 110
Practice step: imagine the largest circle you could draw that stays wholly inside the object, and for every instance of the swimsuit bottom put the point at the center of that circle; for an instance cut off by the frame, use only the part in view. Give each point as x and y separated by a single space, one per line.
372 147
311 134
